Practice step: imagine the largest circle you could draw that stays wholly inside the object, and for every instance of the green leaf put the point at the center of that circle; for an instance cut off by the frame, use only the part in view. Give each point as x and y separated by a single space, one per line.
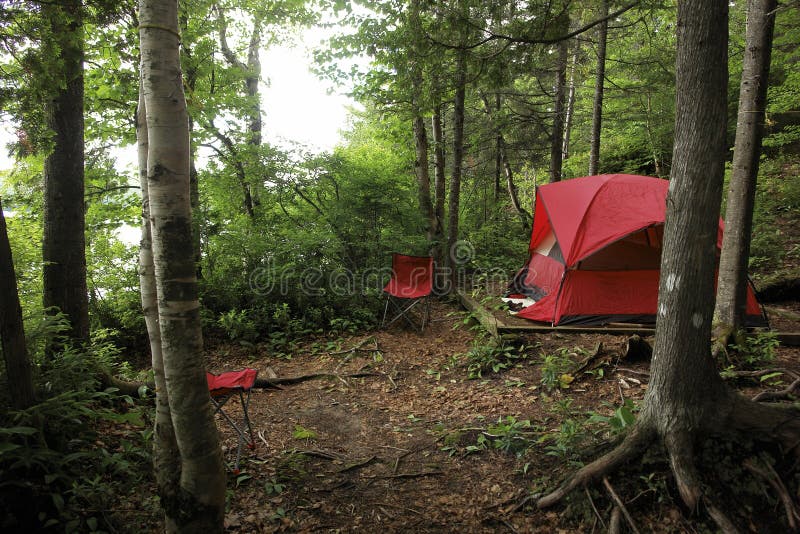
303 433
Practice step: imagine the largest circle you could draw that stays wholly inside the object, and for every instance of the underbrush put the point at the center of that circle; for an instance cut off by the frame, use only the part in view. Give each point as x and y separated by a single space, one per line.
69 461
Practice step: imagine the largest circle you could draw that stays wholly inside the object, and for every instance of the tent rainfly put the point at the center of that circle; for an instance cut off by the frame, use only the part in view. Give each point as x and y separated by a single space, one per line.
595 252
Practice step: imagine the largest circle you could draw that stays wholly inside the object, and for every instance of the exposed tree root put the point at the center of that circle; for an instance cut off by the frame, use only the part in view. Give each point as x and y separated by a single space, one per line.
633 444
784 394
765 422
772 478
680 451
620 505
723 522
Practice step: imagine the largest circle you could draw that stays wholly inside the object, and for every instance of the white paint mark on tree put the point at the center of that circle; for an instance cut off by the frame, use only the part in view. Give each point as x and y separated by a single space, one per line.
697 320
673 281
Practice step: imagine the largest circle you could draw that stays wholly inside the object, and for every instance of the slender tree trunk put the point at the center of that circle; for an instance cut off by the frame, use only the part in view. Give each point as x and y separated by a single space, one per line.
597 107
64 242
12 331
458 158
570 102
732 289
252 70
423 176
524 216
200 502
439 185
166 456
498 158
557 140
190 79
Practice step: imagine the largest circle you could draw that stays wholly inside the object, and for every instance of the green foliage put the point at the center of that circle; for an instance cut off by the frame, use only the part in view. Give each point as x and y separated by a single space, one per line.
56 473
555 367
621 419
756 351
493 355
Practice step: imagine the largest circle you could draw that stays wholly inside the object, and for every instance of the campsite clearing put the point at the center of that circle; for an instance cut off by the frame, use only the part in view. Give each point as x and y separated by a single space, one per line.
421 447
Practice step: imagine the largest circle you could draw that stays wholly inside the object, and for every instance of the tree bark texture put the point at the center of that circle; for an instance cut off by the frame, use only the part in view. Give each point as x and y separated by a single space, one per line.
439 185
166 456
732 289
200 503
597 106
685 385
64 242
12 330
570 102
557 139
422 173
458 159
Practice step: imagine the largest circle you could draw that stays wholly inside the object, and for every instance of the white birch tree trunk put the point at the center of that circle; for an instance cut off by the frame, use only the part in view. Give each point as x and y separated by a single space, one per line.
198 503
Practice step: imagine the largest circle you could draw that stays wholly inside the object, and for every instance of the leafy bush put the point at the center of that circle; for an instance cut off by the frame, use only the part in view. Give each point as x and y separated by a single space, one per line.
55 472
492 356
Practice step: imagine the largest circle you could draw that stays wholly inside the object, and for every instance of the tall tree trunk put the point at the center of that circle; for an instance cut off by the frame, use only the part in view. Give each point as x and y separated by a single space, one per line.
686 392
557 139
421 167
498 158
12 331
200 501
458 158
423 176
597 107
64 242
439 185
252 70
190 79
570 101
732 289
166 456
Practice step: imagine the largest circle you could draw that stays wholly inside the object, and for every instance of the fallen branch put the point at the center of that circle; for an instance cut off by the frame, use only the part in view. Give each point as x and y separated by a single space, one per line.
408 475
359 347
317 453
266 383
357 465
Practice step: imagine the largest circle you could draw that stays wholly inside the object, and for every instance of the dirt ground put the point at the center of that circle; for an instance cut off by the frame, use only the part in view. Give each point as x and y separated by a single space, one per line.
418 446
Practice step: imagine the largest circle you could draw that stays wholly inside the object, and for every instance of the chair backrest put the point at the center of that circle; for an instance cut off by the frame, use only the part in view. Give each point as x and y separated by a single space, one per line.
412 276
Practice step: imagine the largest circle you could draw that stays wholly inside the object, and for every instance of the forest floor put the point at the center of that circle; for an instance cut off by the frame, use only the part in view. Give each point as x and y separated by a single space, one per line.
420 447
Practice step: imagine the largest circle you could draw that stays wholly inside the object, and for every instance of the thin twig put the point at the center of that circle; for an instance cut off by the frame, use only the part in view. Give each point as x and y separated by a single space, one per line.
620 504
357 465
591 501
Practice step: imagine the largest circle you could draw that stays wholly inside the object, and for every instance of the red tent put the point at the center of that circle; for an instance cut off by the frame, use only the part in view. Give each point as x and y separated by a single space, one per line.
595 252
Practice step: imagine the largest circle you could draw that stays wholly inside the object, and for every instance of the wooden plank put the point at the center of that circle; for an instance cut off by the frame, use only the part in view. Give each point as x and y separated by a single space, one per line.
496 326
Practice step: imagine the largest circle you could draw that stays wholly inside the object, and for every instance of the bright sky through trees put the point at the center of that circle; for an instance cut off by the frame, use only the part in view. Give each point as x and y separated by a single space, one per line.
296 104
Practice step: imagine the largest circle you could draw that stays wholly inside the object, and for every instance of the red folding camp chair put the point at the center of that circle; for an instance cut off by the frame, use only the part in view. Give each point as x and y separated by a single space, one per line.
225 386
411 284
